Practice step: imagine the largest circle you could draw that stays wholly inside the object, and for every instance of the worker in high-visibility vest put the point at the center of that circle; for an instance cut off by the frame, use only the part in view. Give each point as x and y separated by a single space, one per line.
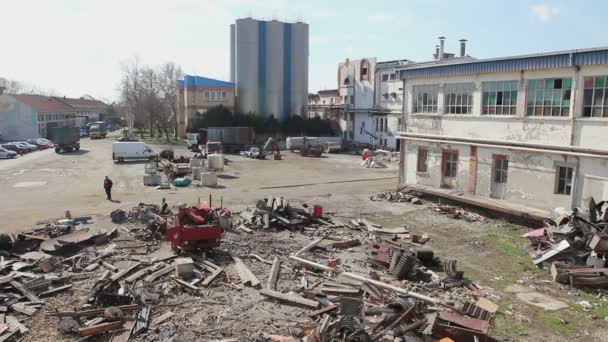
163 206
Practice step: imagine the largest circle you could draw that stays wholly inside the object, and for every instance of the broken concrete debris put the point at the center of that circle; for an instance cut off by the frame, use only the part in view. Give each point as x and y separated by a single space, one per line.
574 245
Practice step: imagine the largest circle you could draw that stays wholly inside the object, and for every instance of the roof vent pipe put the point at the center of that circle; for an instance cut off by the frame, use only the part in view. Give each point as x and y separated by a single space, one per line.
436 55
441 47
463 47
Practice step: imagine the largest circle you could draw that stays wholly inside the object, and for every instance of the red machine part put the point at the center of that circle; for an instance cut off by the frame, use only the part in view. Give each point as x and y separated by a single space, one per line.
196 227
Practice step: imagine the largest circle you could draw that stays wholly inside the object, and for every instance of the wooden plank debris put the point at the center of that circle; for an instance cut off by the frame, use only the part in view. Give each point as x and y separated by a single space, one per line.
273 276
289 299
92 312
186 284
212 277
27 293
247 277
119 275
322 310
160 319
55 290
15 324
99 328
24 309
164 271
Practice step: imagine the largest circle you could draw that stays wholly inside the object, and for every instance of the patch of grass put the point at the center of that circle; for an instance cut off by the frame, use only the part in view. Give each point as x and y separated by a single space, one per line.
505 325
554 322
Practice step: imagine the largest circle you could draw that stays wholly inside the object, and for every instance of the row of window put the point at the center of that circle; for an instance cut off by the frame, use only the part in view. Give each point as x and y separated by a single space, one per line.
215 95
54 117
500 169
392 76
381 125
544 97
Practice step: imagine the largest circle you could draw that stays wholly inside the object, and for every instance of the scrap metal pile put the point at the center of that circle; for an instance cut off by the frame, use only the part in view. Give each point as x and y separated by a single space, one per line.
575 246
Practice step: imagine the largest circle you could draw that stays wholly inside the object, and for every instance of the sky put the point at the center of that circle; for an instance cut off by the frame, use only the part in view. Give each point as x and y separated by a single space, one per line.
77 47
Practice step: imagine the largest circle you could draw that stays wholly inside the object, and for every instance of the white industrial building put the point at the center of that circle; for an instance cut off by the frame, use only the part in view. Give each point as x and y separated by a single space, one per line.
388 103
529 130
269 65
356 89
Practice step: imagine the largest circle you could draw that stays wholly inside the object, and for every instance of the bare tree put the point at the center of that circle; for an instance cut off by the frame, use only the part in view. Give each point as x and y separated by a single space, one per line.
11 86
151 95
170 74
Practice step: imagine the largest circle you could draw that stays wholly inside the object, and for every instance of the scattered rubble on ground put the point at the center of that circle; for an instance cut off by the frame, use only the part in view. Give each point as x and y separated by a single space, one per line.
574 245
415 197
398 196
288 270
379 158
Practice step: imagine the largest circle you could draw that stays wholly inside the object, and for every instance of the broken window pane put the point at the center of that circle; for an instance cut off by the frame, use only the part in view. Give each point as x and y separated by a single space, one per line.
595 96
549 97
501 94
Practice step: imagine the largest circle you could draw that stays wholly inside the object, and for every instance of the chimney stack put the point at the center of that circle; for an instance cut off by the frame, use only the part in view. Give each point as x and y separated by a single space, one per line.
441 47
463 47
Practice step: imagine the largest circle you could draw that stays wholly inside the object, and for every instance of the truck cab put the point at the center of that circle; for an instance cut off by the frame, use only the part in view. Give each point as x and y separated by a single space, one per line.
98 130
214 147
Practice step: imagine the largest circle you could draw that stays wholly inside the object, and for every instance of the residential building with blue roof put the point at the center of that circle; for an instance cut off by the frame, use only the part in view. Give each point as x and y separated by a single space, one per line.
196 94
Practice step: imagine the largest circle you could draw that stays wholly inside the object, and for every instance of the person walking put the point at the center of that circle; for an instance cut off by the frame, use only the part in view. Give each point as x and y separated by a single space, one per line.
107 185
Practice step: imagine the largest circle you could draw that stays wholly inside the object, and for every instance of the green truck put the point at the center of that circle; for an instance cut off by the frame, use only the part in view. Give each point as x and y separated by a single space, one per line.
66 138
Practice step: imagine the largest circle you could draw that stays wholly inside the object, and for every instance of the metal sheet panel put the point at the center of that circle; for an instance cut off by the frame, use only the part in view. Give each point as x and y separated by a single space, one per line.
548 61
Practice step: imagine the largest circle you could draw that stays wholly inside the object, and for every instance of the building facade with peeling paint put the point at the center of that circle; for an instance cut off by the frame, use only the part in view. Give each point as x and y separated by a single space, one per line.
530 130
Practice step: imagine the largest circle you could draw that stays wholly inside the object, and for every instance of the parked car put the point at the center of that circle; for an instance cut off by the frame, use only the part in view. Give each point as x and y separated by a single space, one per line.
7 154
29 147
15 148
42 144
84 133
256 153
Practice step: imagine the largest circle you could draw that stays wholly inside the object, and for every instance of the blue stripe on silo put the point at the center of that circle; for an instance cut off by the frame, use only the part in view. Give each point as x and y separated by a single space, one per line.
262 68
286 71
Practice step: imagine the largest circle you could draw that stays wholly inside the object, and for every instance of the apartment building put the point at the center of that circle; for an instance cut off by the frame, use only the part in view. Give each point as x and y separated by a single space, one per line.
196 94
325 104
529 130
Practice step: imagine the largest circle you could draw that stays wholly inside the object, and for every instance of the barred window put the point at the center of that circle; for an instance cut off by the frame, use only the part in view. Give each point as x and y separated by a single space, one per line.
459 98
563 180
549 97
499 98
425 98
595 97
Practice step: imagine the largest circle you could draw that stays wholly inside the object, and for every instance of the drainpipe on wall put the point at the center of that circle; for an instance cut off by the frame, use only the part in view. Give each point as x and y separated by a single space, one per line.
573 105
575 181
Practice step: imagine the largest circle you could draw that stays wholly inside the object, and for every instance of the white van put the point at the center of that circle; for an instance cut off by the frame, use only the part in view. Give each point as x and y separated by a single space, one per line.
122 151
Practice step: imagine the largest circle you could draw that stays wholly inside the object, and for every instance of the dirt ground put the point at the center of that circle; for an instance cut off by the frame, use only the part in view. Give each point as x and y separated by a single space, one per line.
489 252
44 185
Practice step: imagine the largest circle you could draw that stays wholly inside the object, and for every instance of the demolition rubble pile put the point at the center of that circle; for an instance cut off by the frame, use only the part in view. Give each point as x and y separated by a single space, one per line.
398 196
415 198
282 272
575 246
379 158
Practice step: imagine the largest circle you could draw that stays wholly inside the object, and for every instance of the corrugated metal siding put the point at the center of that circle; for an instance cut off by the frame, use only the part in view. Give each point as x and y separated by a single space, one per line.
509 65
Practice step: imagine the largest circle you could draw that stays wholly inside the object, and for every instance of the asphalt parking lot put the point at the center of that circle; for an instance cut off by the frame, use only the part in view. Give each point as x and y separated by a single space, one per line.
43 184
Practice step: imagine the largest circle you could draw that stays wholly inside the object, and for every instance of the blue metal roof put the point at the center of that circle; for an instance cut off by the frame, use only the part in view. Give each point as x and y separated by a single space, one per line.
508 64
198 81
